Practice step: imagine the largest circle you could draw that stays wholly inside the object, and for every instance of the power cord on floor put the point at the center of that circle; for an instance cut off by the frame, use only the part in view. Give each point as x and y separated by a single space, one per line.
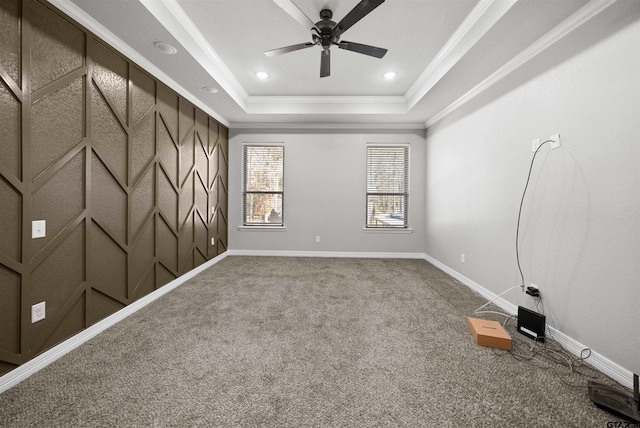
553 356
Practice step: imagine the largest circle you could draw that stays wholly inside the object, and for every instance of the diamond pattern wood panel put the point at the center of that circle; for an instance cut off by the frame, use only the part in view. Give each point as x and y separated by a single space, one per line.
130 177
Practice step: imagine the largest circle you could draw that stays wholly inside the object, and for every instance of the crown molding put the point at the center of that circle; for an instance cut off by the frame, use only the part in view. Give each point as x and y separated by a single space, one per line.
327 126
581 16
479 21
326 105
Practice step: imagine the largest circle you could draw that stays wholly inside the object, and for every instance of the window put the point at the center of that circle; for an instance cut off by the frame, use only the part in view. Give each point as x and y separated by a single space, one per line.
263 185
387 186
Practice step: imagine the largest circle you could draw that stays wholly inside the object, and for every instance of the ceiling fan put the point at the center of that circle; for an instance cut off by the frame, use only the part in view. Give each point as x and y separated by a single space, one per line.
327 33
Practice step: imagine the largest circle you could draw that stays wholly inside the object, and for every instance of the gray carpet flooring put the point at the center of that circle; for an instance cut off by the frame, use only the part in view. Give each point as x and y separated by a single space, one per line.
306 342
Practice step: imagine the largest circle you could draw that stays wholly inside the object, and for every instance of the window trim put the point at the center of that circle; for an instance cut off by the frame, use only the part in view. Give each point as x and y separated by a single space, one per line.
405 228
244 226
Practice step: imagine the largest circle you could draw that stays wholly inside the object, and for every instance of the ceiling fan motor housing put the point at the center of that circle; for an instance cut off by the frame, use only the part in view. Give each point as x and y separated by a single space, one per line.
327 33
326 25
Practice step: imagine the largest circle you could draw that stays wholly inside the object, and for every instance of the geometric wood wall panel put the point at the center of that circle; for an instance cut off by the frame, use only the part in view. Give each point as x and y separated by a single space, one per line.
57 47
142 200
186 119
70 323
57 278
168 105
187 157
108 269
202 162
111 75
11 218
10 153
198 259
9 310
164 276
143 93
10 40
168 153
167 200
100 306
186 201
201 196
107 135
141 258
124 171
201 235
146 285
67 184
168 251
185 246
56 124
109 200
143 147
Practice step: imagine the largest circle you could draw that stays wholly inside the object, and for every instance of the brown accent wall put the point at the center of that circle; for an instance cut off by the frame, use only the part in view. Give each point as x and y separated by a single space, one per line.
130 177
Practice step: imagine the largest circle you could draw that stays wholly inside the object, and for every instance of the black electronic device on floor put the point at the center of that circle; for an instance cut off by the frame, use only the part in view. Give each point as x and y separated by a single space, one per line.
531 324
616 401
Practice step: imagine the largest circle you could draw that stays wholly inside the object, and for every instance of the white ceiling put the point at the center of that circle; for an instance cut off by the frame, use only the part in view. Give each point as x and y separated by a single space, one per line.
444 51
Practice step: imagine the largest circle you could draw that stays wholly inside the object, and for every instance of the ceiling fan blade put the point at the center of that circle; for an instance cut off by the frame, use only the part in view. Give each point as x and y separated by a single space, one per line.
361 10
363 49
325 63
290 7
280 51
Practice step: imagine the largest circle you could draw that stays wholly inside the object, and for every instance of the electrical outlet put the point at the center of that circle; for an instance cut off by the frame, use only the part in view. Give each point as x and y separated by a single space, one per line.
533 290
317 238
38 312
555 141
535 144
462 258
213 241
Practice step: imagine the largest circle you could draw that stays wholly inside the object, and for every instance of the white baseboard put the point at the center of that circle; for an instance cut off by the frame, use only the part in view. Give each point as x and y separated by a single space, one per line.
41 361
337 254
598 361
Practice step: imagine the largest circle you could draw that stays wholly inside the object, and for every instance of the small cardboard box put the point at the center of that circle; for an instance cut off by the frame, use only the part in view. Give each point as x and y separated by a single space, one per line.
489 333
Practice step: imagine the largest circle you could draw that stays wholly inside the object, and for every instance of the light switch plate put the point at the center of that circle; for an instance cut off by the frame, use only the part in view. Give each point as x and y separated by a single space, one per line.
38 229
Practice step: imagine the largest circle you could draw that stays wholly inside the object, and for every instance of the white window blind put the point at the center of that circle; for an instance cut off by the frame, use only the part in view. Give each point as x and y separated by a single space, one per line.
263 185
387 186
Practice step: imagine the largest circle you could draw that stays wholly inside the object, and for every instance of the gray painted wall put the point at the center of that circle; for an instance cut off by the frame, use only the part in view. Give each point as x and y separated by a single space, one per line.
580 230
325 193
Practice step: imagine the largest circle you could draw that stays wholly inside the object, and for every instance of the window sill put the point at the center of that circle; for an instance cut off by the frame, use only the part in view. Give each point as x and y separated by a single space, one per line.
264 228
386 230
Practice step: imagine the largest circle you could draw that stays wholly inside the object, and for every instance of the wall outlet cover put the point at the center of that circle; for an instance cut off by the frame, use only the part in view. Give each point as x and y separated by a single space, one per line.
38 312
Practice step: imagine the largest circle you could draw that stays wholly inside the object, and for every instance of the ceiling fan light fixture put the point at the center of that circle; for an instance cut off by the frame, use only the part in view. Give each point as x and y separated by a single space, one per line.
326 33
389 75
165 48
262 75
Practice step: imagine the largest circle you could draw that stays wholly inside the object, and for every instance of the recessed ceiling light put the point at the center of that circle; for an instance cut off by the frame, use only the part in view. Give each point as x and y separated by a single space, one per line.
210 89
262 75
165 48
389 75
